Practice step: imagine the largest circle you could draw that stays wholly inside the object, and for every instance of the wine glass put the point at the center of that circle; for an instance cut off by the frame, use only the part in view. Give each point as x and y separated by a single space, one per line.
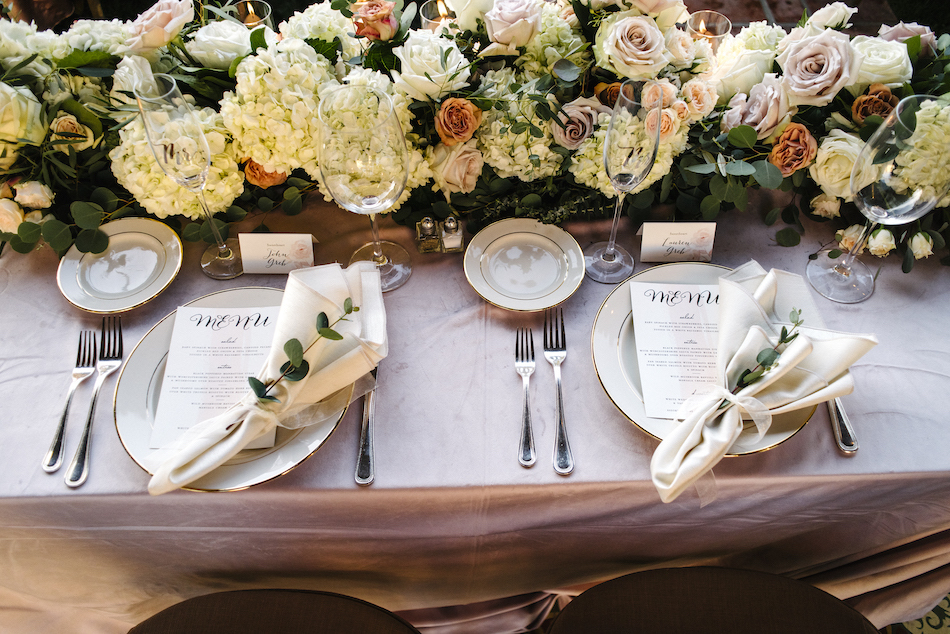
899 175
181 150
629 153
364 164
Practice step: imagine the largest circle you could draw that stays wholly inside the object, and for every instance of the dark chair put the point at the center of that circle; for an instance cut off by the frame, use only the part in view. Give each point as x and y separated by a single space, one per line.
274 612
708 600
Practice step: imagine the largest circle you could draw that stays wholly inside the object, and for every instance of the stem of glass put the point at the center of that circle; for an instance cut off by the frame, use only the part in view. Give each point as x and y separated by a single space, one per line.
844 267
378 257
224 252
609 252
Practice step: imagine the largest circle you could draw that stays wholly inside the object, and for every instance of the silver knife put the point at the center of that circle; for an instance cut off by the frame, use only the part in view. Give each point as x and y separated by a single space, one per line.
364 463
844 433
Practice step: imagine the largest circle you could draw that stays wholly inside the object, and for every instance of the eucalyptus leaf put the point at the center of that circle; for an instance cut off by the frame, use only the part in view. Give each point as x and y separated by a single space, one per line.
57 234
788 237
29 232
86 215
298 373
329 333
767 175
322 321
92 241
256 386
105 198
348 305
566 70
294 351
767 357
206 233
739 168
743 136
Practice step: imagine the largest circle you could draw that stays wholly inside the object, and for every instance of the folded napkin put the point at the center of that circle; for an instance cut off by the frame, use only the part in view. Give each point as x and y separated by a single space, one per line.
334 368
811 369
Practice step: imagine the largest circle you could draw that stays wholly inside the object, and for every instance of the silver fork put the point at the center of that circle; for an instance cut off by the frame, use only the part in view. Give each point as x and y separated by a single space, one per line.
555 351
524 366
110 358
85 366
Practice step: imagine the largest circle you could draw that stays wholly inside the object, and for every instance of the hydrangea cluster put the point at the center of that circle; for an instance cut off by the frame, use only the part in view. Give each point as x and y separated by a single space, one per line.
19 40
320 22
553 42
925 163
136 169
272 115
108 36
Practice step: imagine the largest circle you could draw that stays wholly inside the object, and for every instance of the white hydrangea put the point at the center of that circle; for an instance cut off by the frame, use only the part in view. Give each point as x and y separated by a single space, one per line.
508 152
761 36
97 35
554 41
272 114
136 169
320 22
19 40
926 163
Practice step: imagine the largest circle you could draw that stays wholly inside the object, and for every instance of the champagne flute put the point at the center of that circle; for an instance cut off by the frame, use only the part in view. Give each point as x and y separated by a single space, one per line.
629 153
899 175
181 150
364 164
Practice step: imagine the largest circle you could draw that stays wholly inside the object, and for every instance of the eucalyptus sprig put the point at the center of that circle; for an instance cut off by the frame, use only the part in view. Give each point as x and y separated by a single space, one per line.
296 368
768 357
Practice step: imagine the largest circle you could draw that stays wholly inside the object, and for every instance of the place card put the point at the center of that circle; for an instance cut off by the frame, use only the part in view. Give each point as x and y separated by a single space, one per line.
212 353
275 252
677 241
676 327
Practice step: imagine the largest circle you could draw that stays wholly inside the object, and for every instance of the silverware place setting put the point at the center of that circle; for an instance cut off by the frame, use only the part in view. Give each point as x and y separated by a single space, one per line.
85 367
555 351
524 366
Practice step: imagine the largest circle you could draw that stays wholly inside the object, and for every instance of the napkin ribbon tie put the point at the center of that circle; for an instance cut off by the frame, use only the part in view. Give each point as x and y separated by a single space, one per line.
711 394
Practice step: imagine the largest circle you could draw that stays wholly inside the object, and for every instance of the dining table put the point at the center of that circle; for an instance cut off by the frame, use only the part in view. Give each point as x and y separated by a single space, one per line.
454 534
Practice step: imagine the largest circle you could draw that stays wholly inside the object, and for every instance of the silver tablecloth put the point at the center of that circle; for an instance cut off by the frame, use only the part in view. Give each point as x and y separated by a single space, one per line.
452 518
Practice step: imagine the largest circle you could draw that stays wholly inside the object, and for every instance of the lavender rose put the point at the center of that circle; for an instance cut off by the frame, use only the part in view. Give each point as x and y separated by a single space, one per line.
510 24
766 109
579 118
816 68
457 168
633 46
901 32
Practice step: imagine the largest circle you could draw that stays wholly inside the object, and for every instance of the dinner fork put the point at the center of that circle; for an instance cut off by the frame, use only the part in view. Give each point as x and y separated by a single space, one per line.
555 351
110 358
85 366
524 366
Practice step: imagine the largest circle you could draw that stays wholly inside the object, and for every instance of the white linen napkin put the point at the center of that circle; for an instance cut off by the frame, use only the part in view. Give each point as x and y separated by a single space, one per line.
753 307
334 368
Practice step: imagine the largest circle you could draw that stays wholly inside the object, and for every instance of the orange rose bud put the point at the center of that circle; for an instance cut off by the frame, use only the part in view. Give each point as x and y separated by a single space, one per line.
607 93
457 120
878 100
255 174
794 149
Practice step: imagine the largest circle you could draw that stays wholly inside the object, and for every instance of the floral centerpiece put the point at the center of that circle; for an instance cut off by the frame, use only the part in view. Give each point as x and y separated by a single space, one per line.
505 108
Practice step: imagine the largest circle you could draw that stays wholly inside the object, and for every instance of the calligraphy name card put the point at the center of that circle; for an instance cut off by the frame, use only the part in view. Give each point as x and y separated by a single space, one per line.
677 241
276 252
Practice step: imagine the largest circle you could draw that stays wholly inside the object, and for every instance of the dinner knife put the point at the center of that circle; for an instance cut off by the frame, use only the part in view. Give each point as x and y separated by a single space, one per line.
365 472
844 433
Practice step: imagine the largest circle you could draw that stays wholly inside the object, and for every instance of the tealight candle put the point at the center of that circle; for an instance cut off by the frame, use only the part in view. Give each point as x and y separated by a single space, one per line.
436 16
708 25
254 13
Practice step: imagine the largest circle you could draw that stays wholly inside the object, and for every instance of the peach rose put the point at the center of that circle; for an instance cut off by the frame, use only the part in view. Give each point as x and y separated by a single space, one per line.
794 149
666 119
661 91
607 93
374 19
255 174
159 25
457 121
879 100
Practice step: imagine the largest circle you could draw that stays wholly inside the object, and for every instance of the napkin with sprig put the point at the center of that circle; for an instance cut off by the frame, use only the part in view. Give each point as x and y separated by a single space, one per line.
330 333
768 364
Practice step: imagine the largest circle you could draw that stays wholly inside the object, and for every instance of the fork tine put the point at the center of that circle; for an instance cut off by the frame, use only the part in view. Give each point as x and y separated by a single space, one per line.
118 321
531 335
518 345
562 342
547 344
90 350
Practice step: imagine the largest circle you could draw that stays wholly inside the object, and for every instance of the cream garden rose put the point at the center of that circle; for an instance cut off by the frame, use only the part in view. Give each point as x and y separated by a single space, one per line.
159 25
700 97
510 24
431 66
739 70
456 169
881 242
10 215
836 155
631 45
921 245
849 237
815 68
65 127
21 118
33 194
468 12
826 206
832 16
902 32
883 63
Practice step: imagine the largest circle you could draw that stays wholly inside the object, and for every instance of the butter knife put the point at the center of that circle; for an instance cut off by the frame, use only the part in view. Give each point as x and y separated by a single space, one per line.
365 472
841 425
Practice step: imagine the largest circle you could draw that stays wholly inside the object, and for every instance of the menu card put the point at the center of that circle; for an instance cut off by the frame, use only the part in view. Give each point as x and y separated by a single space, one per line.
676 328
212 353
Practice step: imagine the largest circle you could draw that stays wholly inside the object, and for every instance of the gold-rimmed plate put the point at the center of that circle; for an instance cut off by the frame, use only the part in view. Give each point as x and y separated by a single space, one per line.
614 349
524 265
142 259
140 384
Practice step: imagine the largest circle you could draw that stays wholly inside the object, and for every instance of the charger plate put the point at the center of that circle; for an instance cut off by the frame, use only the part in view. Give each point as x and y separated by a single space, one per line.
614 349
140 385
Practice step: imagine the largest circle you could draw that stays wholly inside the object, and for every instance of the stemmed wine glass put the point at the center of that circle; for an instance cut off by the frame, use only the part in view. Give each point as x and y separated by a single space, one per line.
629 153
899 175
364 164
181 150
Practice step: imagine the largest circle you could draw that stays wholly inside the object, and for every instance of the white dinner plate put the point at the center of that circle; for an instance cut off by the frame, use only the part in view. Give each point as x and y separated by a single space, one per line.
140 384
614 348
522 264
142 259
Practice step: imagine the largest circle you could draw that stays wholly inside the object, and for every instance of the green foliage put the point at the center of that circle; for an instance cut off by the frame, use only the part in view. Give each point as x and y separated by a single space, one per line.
768 358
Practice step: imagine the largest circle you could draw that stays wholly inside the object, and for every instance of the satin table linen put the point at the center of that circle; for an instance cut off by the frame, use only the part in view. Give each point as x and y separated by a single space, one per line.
452 518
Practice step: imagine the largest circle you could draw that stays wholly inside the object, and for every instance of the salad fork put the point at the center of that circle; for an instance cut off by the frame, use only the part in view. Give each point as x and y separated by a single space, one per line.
110 358
555 351
524 366
85 366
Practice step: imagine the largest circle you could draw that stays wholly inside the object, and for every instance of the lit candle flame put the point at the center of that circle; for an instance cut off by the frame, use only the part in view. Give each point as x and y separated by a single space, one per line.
443 11
702 26
251 19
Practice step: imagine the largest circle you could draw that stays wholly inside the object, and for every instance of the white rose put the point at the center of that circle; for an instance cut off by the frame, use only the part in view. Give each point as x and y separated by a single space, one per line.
761 36
825 206
847 238
766 109
131 71
467 12
681 47
21 117
10 215
431 66
881 243
884 63
64 127
631 45
159 25
834 162
816 68
901 32
456 168
34 194
740 71
701 97
510 24
217 44
656 7
832 16
921 244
